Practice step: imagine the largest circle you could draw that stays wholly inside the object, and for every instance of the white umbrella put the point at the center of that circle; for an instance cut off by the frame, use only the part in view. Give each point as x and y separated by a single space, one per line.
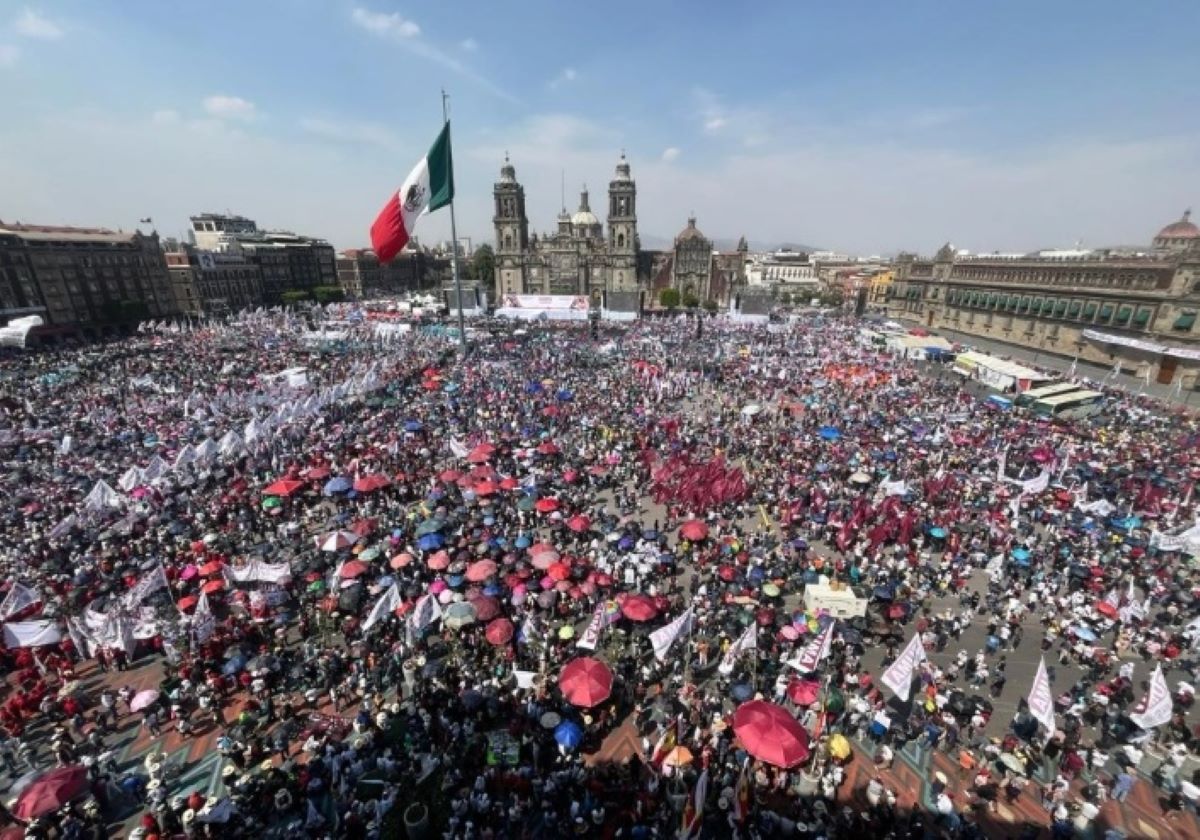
337 540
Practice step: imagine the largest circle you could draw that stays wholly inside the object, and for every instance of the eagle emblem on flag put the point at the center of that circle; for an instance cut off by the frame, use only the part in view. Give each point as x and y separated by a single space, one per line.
414 198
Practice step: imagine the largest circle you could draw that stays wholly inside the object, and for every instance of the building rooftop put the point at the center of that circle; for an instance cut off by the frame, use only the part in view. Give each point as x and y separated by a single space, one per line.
60 233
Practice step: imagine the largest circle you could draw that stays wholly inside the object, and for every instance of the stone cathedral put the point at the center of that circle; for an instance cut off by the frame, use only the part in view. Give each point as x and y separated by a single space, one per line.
579 257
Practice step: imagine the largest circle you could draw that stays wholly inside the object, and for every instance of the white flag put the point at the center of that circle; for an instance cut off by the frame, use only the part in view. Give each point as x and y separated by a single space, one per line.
130 479
591 636
1036 485
457 448
426 611
1074 367
899 676
1041 702
1002 465
747 641
664 637
18 598
84 642
386 604
1156 709
147 585
203 621
64 448
816 650
102 496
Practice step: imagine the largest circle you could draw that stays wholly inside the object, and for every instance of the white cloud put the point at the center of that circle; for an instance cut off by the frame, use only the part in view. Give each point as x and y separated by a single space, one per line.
348 131
32 24
165 116
9 55
566 76
389 25
669 154
394 28
469 44
229 107
713 124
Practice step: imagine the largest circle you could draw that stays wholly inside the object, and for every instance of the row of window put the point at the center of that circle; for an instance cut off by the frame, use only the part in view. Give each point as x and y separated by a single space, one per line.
1102 312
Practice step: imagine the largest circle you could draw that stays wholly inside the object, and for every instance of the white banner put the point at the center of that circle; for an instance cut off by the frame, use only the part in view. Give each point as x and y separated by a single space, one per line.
899 676
747 641
386 604
19 634
18 598
203 620
894 488
664 637
816 650
1036 485
426 611
1041 702
591 636
84 643
1156 709
102 496
258 571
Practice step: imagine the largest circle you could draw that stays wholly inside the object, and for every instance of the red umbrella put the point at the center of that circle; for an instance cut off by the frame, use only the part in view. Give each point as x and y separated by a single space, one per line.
211 568
481 570
509 484
585 682
486 607
214 585
370 483
579 523
726 573
770 734
352 569
546 505
51 791
804 692
187 602
364 526
499 632
1106 609
450 476
693 530
485 488
283 487
480 454
316 473
547 448
558 571
639 608
438 561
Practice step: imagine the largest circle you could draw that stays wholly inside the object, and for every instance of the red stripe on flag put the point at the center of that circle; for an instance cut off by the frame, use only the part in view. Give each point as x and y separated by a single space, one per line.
388 234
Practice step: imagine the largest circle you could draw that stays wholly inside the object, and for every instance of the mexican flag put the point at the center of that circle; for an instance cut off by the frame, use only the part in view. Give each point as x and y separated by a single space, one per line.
429 186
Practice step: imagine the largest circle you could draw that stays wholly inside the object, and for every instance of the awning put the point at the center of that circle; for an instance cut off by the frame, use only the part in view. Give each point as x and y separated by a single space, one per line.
1184 321
1190 353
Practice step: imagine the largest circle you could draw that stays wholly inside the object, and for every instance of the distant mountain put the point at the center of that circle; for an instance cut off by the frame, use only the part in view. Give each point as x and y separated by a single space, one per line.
650 242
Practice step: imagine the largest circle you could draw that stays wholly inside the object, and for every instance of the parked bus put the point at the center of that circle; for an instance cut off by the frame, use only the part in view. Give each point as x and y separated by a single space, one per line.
1031 396
1071 406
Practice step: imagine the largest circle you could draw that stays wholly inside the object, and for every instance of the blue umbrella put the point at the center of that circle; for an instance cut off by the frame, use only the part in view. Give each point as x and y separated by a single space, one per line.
756 574
937 533
650 534
533 388
568 734
413 426
742 692
1126 524
523 542
1021 555
884 593
1085 633
565 396
450 387
454 581
830 432
492 590
339 484
233 665
431 542
625 543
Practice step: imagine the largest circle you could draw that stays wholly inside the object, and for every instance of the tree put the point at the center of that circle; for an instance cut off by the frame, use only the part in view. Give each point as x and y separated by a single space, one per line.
669 298
690 301
293 296
786 298
483 264
329 294
711 305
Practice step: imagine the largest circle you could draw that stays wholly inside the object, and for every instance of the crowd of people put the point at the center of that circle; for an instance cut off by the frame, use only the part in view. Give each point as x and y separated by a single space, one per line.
558 588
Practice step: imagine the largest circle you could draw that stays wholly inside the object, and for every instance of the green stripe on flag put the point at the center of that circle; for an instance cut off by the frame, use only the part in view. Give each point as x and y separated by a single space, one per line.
441 171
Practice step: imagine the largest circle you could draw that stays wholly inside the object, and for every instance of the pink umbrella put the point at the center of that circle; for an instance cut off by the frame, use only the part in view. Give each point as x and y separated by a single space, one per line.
545 559
189 572
438 586
486 608
481 570
143 699
438 561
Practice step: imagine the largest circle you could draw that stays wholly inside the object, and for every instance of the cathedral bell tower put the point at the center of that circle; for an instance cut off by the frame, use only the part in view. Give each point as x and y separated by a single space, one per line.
622 229
512 232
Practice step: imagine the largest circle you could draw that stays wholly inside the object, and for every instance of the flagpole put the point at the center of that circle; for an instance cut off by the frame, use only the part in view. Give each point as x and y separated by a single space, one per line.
462 321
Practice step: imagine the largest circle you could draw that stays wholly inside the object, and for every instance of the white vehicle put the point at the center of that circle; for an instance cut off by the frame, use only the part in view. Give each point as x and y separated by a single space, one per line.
838 599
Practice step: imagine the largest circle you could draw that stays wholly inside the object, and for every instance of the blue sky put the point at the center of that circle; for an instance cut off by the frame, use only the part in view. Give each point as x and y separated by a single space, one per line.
866 127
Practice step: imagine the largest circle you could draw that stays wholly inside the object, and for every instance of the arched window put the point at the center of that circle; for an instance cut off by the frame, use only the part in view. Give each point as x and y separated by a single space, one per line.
507 241
620 240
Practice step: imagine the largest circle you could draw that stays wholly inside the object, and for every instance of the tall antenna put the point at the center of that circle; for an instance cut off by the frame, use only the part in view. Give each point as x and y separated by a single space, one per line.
562 188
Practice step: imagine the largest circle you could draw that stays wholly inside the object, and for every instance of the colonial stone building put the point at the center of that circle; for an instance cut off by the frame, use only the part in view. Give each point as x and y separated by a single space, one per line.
1136 307
579 257
698 270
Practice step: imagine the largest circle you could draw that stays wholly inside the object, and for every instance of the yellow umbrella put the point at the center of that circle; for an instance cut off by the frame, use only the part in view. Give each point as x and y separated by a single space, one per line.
839 747
566 632
678 757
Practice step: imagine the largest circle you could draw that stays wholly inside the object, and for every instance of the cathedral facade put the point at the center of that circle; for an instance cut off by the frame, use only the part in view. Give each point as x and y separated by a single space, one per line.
580 257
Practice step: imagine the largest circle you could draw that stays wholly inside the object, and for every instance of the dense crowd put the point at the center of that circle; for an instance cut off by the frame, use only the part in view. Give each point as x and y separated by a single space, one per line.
558 589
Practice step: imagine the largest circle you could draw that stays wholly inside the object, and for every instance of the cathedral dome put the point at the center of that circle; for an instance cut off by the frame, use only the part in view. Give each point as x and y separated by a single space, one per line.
1182 229
584 218
690 232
